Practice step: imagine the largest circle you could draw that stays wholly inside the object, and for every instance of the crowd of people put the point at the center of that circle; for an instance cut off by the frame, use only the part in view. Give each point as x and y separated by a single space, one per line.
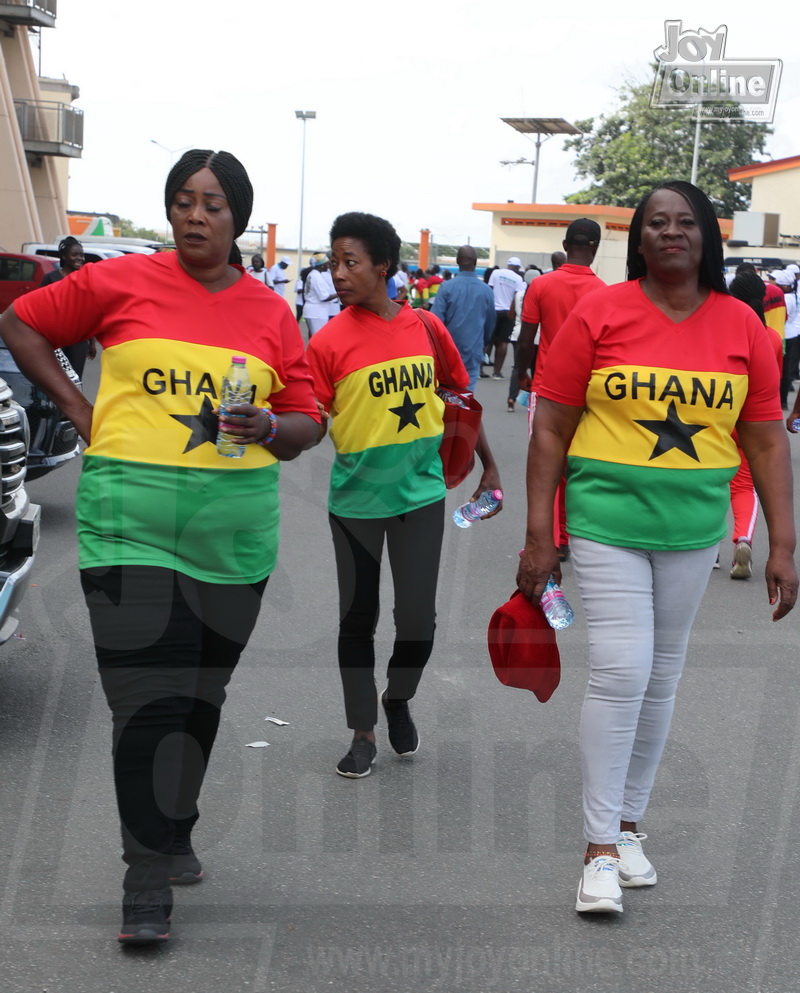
637 405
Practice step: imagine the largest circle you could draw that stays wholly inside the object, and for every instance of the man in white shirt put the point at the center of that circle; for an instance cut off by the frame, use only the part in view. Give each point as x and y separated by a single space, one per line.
319 295
278 275
504 284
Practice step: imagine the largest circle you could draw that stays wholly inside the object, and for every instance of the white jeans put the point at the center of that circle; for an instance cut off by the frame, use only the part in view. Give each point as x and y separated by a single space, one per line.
315 323
639 608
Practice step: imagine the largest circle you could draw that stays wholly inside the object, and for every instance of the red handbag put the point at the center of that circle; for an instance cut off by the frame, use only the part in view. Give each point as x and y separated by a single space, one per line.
462 416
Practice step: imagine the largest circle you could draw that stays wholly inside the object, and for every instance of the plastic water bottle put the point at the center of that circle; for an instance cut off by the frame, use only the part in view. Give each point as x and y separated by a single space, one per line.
524 398
236 388
466 516
556 607
449 397
796 425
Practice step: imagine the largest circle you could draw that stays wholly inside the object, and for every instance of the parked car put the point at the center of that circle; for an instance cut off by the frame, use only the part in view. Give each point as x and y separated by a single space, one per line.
19 518
53 438
20 274
92 253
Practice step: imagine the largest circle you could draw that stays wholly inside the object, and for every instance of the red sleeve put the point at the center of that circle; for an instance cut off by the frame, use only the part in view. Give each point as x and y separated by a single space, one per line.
763 378
319 362
570 360
458 373
298 389
530 305
65 312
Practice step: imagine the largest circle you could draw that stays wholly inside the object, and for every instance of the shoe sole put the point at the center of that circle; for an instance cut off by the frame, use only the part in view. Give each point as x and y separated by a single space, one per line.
742 563
634 881
186 879
355 775
145 936
603 905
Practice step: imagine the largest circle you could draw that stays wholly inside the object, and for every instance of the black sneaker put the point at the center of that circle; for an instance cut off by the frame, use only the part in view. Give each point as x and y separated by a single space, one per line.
358 761
145 917
403 735
186 868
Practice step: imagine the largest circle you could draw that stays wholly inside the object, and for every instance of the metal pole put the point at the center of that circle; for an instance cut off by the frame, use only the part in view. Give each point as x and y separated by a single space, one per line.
696 153
302 195
536 166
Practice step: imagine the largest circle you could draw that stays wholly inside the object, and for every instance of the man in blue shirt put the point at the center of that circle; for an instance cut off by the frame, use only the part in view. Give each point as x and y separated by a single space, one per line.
465 305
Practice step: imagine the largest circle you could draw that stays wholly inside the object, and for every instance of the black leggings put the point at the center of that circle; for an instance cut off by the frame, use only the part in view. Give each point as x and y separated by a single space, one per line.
166 648
414 541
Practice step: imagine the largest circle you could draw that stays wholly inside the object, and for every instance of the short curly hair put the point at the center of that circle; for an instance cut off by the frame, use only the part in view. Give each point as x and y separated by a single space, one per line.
380 239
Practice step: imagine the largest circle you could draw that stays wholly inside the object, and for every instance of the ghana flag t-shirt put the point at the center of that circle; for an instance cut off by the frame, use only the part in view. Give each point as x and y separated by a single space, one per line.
650 461
378 381
153 490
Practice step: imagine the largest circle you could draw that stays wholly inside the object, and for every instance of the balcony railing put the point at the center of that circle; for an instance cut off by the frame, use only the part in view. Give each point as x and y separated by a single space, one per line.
34 13
50 128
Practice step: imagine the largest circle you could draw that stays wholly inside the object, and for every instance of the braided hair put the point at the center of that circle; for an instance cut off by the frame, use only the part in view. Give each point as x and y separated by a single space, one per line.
711 262
749 287
231 176
65 245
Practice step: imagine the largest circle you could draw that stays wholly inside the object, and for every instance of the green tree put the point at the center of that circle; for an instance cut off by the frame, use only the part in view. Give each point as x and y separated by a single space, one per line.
127 230
625 154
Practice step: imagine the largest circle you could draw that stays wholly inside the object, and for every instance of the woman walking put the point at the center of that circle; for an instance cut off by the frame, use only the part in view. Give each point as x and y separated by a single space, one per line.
175 541
643 387
374 371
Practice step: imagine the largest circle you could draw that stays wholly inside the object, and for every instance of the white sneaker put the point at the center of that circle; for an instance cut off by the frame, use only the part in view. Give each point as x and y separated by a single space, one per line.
742 567
598 891
635 868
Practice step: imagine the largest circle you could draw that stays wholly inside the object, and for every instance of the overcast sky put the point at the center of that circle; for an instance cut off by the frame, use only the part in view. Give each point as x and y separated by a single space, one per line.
408 96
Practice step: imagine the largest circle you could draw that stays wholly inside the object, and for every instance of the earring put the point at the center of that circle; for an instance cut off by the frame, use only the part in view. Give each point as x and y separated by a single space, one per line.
383 272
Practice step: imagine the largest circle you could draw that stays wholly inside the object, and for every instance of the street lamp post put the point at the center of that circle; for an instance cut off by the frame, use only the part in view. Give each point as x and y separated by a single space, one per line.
302 115
547 126
531 162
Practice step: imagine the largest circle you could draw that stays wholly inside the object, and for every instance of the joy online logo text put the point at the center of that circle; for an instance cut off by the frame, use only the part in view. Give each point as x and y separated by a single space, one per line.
693 70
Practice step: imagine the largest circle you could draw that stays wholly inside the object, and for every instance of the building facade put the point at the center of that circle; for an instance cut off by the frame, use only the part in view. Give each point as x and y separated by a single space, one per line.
39 128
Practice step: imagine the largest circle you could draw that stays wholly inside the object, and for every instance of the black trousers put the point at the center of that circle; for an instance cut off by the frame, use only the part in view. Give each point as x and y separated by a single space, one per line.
790 360
166 648
414 542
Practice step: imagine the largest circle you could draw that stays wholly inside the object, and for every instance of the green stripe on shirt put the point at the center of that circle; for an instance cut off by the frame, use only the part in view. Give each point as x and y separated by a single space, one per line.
192 520
388 480
647 507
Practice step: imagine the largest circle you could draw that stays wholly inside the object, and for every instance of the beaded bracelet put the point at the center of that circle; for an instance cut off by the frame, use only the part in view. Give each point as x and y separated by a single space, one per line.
273 427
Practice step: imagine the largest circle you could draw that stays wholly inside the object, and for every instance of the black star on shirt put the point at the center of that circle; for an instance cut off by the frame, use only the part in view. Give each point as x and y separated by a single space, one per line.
673 433
407 413
203 425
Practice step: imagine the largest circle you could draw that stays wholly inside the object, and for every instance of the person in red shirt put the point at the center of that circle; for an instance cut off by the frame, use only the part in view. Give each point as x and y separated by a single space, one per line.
419 289
644 385
547 304
434 278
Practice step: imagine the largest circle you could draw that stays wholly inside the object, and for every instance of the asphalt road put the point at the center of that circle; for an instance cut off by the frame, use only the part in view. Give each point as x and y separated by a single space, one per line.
454 871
